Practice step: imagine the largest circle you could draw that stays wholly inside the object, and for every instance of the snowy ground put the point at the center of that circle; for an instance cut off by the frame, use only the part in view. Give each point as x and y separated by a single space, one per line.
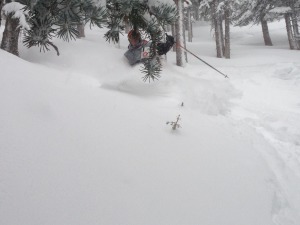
83 141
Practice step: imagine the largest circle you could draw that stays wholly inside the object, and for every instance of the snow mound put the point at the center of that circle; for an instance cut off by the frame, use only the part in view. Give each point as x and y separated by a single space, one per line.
210 97
84 141
288 71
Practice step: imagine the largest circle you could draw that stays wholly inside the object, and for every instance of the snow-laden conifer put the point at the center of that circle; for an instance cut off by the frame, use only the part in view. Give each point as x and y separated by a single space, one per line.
146 16
46 19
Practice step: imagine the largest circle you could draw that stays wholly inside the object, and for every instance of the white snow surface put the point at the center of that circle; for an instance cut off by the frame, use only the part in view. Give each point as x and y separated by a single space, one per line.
100 2
280 10
159 2
84 141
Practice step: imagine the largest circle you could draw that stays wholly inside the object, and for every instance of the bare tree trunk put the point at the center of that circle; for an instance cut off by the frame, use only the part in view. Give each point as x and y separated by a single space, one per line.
180 61
295 27
196 10
189 23
192 31
174 34
227 33
218 38
80 28
217 26
289 31
127 25
266 34
11 35
222 34
1 5
184 41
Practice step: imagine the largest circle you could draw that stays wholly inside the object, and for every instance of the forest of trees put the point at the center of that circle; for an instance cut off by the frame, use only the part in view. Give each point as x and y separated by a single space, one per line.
226 13
41 20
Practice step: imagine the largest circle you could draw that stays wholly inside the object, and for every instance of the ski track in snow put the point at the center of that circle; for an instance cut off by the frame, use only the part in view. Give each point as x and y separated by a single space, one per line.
280 129
260 90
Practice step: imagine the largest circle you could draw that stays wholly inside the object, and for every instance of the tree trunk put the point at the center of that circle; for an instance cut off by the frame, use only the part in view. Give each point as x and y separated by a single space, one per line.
192 31
174 35
11 35
197 11
222 34
127 25
184 41
189 23
80 28
289 31
295 27
266 34
180 61
217 26
227 33
1 5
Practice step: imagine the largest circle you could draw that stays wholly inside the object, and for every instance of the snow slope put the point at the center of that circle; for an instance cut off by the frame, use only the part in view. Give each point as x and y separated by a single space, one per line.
84 141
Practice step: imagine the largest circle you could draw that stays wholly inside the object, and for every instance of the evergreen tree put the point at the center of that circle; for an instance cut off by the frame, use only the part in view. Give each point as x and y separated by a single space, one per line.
292 17
189 19
220 13
210 10
147 17
53 18
256 12
46 19
196 8
262 11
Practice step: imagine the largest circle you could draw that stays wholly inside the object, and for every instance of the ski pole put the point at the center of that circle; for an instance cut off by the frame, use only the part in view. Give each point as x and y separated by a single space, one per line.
203 61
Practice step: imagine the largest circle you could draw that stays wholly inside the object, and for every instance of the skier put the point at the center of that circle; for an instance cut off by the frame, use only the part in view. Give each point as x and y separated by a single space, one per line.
138 49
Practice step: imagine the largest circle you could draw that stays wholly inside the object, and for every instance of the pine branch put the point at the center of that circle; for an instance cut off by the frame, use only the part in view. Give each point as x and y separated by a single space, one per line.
96 16
54 46
49 18
152 69
165 14
143 18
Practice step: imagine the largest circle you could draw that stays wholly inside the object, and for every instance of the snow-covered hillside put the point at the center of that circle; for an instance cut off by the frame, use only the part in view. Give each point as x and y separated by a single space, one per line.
84 141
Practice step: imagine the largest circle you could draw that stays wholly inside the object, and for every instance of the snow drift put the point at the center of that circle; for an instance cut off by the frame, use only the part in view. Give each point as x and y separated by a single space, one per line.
84 141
